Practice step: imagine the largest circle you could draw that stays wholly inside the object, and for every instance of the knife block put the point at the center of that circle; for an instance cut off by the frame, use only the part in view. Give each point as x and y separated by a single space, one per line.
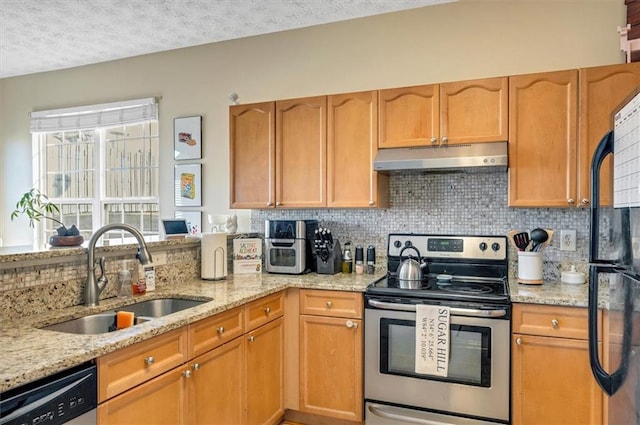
333 263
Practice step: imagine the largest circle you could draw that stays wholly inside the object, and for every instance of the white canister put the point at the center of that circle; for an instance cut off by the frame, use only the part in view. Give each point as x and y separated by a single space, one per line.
530 267
213 256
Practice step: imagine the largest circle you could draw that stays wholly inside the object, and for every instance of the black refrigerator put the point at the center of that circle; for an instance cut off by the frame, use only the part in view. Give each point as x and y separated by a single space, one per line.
614 266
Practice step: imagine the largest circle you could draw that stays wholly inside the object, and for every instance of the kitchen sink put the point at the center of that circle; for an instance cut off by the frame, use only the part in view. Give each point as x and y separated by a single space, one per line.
144 311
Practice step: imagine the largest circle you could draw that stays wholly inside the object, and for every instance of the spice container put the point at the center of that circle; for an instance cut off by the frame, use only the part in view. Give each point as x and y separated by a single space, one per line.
371 259
359 260
347 259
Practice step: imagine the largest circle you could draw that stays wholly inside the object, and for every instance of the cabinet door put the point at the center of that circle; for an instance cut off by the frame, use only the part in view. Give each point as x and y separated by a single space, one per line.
252 155
552 382
352 144
301 152
161 401
265 374
409 116
217 385
542 139
331 367
602 89
474 111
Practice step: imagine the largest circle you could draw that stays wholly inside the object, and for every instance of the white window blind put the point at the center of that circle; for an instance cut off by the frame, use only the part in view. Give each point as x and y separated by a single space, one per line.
95 116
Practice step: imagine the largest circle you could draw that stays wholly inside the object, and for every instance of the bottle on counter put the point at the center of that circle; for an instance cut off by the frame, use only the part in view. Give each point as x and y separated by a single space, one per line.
347 259
359 260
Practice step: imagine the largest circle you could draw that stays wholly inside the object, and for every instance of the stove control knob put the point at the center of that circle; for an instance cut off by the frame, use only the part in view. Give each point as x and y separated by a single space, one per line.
397 244
408 243
483 246
495 246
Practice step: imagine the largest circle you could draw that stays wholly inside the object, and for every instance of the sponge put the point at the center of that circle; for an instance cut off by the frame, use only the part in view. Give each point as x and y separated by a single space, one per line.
124 319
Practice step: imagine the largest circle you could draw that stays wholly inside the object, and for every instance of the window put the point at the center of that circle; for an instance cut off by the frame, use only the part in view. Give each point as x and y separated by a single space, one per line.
105 172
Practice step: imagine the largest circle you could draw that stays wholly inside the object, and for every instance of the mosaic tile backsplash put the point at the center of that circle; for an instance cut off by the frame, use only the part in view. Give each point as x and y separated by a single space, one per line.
449 204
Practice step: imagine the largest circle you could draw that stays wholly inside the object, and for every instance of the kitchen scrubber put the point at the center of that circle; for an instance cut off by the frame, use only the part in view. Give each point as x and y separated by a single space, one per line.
124 319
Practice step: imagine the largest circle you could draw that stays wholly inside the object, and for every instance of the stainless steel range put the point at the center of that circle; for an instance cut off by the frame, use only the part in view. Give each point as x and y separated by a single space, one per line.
467 277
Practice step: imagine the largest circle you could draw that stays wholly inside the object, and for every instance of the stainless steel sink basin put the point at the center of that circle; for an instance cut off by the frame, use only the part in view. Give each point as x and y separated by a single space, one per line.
104 322
160 307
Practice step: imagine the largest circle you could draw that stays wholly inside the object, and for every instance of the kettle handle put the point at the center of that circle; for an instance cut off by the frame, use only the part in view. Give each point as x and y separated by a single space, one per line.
410 247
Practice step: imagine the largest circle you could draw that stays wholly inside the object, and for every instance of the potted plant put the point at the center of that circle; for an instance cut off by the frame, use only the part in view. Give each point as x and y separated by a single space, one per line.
36 206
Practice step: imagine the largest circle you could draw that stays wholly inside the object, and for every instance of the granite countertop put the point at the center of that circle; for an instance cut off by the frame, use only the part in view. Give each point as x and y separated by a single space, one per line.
22 340
30 353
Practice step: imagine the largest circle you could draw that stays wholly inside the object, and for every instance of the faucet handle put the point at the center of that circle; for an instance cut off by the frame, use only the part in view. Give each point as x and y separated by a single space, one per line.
102 280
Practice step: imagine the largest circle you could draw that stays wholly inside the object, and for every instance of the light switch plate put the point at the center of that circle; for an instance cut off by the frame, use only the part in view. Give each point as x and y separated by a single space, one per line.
567 240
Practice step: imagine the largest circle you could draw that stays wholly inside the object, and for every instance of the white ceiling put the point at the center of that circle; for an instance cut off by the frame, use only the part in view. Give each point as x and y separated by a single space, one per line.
45 35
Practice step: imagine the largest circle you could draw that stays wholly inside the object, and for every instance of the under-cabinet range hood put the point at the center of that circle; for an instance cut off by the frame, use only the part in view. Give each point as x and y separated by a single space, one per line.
473 157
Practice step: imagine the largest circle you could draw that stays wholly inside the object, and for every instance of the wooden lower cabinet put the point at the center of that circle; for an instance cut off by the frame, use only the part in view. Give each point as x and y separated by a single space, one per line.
330 354
217 387
265 373
163 400
551 377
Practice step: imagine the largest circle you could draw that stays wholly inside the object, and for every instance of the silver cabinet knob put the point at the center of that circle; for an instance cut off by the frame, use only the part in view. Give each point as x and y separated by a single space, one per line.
220 330
251 338
351 324
585 201
518 340
278 204
434 140
150 360
267 310
269 204
571 201
554 323
445 139
186 374
371 203
196 366
329 304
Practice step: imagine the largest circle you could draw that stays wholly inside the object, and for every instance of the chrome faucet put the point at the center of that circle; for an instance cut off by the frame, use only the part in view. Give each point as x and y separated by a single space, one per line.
93 287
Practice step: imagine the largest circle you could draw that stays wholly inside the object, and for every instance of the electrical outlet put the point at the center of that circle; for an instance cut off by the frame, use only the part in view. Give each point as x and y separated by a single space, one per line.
159 258
567 240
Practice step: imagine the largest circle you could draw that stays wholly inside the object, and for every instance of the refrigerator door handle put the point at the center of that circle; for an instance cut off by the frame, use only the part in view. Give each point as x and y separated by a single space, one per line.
604 148
610 383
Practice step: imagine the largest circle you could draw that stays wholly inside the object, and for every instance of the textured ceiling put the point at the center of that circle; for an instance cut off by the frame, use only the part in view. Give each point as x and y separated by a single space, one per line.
45 35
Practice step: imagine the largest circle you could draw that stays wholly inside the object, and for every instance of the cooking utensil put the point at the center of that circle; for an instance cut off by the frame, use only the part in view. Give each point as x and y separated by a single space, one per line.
521 240
410 270
547 242
510 235
538 236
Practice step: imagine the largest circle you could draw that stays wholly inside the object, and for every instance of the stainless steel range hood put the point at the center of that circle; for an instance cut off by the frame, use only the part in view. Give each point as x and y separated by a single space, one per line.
471 157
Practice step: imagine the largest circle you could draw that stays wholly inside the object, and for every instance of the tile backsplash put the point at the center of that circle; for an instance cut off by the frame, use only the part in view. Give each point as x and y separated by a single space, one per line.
455 203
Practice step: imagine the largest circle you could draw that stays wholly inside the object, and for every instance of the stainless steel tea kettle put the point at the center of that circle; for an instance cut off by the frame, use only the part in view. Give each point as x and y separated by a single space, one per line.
410 270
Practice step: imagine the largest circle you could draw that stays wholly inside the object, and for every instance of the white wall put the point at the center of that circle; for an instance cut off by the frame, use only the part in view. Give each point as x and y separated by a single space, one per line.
464 40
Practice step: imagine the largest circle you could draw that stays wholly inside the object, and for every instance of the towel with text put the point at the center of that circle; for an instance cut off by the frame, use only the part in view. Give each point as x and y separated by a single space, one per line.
432 340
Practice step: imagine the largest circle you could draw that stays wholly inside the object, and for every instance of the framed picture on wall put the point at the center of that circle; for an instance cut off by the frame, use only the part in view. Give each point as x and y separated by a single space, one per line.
188 185
194 221
187 138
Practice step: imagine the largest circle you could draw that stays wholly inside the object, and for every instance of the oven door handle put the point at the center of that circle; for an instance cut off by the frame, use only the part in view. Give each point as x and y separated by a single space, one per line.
455 311
396 418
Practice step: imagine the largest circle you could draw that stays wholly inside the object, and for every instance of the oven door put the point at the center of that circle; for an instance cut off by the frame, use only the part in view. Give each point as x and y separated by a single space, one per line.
477 383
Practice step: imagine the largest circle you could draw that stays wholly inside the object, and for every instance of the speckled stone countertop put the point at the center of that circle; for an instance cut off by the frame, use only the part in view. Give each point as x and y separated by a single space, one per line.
30 353
557 293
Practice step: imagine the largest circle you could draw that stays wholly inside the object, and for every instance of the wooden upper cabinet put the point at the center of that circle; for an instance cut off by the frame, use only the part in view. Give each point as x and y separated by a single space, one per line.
543 113
252 155
474 111
352 144
409 116
602 89
301 152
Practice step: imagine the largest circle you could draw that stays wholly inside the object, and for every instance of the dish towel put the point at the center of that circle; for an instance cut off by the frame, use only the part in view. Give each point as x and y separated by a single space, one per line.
432 340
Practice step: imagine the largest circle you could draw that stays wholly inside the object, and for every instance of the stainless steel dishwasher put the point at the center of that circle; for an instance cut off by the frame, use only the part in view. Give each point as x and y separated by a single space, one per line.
68 397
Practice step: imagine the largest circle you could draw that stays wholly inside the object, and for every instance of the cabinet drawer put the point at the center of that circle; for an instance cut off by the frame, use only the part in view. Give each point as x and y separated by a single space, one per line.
265 309
545 320
216 330
128 367
331 303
